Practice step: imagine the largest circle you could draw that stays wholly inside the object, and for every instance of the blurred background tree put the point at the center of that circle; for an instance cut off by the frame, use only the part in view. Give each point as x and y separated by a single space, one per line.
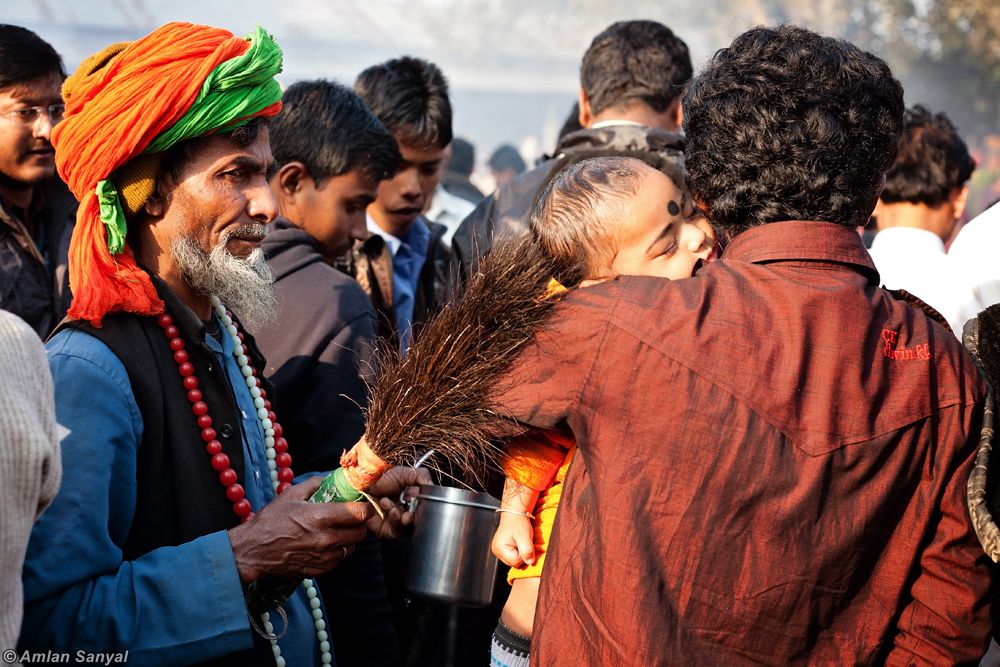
946 52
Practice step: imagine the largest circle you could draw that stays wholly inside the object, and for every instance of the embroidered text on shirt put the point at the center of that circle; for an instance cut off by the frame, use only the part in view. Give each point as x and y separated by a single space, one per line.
890 339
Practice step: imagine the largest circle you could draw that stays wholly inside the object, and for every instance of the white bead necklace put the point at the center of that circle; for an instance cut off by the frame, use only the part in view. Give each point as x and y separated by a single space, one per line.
253 384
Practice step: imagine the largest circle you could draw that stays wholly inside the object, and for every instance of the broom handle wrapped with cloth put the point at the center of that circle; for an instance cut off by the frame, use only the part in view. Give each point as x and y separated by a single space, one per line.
359 468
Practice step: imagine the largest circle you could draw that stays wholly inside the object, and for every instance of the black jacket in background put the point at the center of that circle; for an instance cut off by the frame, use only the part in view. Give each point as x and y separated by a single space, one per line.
504 214
370 263
33 289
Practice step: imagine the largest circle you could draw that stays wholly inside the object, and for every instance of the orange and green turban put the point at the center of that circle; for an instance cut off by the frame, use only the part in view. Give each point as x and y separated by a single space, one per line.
126 105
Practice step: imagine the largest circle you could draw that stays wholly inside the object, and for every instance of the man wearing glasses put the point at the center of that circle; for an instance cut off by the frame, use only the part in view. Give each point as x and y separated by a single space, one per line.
36 209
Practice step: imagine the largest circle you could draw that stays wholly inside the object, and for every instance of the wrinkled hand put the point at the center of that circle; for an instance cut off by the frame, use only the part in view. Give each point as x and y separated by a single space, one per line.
514 541
294 538
386 492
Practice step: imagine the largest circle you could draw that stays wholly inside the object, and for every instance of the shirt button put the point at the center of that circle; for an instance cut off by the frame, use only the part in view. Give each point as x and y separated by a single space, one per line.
226 430
210 368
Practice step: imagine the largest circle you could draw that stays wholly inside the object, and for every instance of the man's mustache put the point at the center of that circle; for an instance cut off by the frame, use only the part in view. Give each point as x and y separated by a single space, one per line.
251 232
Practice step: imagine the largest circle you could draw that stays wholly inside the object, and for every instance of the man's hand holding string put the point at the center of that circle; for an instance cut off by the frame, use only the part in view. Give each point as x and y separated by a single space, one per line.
292 537
397 481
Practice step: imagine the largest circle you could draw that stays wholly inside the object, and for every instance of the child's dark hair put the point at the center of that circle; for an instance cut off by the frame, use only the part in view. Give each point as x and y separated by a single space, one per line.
569 216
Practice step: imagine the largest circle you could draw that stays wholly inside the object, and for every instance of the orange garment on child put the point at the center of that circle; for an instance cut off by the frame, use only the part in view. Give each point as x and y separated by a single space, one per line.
539 461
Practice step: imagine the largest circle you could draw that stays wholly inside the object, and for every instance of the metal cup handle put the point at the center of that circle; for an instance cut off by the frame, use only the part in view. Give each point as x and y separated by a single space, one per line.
411 503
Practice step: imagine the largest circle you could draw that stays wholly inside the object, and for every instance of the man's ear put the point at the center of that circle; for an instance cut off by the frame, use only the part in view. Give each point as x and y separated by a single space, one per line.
874 205
877 214
157 203
155 206
290 180
586 116
676 110
959 198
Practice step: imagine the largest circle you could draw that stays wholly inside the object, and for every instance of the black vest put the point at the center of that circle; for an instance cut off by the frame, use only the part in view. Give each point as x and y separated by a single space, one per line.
178 494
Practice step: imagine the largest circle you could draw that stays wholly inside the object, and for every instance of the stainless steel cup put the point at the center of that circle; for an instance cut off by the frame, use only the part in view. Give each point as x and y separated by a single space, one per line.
450 557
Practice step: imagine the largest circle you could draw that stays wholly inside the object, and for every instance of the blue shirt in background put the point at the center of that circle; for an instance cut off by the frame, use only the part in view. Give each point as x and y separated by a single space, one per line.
409 252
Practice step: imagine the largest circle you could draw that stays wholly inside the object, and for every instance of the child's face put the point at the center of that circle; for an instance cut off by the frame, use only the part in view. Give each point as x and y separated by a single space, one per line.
662 234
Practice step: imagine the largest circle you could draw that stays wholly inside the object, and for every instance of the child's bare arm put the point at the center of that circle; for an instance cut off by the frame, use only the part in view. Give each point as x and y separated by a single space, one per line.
514 540
531 464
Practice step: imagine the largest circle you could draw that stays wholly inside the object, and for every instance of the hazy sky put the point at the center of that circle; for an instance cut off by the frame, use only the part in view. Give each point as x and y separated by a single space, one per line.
512 64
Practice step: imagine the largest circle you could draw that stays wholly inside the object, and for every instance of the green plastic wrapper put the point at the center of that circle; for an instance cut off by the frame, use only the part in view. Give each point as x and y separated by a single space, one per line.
336 489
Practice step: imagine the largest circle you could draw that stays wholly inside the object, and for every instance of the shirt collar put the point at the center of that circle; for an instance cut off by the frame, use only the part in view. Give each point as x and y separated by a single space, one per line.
917 239
417 237
799 240
447 209
612 123
391 242
442 203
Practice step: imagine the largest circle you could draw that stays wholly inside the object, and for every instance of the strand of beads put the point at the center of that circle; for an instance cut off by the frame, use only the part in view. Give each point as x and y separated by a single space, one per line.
279 463
219 461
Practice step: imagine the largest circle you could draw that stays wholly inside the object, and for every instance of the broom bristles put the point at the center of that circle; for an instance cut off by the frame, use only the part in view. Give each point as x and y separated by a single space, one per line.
439 395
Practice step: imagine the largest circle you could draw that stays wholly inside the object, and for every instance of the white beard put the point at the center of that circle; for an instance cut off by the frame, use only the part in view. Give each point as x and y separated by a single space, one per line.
245 286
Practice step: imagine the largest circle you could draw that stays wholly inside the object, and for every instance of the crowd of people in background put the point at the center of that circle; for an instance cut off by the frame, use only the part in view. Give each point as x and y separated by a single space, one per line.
745 435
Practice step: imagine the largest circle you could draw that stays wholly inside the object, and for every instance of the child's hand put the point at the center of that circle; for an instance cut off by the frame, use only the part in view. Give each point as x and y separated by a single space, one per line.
514 541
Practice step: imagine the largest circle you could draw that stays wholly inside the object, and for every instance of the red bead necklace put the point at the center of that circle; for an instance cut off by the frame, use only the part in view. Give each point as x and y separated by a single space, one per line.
219 461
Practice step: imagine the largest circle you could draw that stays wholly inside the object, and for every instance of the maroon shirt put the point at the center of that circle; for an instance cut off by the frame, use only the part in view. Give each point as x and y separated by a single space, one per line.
772 466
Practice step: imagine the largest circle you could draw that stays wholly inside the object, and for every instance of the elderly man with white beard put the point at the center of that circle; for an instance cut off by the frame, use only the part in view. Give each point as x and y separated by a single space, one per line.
179 489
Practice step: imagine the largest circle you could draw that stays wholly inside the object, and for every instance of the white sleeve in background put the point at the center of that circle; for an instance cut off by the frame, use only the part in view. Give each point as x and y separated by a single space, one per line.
976 253
30 464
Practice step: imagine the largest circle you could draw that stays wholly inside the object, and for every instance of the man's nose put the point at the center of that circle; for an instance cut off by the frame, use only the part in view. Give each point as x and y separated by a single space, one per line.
409 184
262 205
358 230
42 128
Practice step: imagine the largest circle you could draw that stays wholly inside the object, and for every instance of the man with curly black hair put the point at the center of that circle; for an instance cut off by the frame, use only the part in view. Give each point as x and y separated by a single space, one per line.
925 192
771 455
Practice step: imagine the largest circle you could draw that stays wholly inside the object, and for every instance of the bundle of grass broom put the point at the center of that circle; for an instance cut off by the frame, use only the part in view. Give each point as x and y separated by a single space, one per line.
440 394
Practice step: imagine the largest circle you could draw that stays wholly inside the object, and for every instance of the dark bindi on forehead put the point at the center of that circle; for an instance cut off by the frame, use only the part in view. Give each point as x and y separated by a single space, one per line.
673 208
